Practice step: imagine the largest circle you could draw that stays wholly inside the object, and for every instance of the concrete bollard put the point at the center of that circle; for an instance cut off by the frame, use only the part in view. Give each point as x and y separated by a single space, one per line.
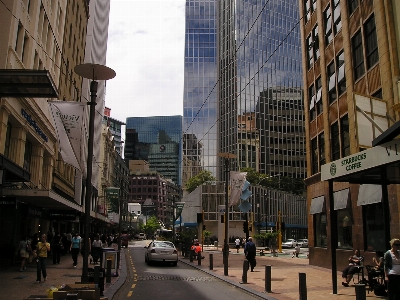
211 261
199 258
268 279
360 292
302 286
245 269
108 279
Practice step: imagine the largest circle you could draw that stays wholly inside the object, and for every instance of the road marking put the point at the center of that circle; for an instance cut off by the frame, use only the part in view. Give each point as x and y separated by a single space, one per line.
130 293
133 285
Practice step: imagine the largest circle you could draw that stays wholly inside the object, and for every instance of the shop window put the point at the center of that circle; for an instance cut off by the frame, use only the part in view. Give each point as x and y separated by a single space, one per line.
374 226
320 230
345 233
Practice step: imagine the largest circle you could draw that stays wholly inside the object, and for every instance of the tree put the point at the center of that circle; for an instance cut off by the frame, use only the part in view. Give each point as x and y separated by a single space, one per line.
197 180
151 226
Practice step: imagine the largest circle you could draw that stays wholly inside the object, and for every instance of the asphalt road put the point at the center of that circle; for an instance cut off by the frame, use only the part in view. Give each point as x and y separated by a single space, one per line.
164 281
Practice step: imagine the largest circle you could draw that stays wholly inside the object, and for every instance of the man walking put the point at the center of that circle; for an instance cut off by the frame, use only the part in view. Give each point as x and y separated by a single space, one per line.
250 252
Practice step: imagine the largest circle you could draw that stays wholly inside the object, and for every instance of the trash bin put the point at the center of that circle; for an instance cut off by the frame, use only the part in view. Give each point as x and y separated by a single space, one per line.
109 253
216 244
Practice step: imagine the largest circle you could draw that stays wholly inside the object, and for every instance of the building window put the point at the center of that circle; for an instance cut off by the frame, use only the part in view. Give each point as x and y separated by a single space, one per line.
358 55
309 7
320 230
337 20
321 149
27 155
318 96
378 94
341 77
353 4
311 99
344 127
314 156
328 25
335 144
332 95
371 43
374 226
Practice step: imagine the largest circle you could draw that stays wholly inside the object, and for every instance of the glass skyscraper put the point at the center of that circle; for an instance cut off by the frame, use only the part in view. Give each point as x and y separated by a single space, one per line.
260 85
200 91
158 141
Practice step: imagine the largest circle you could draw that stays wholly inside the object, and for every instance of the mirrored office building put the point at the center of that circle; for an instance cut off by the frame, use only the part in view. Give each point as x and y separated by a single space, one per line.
158 141
200 91
260 102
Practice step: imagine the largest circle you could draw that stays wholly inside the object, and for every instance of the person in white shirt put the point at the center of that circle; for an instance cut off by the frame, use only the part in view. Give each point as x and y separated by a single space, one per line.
237 244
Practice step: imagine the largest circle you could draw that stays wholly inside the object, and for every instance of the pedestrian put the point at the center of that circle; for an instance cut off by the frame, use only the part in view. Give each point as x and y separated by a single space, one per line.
353 267
250 253
296 251
65 247
392 269
24 249
75 248
69 239
57 244
42 248
96 249
237 243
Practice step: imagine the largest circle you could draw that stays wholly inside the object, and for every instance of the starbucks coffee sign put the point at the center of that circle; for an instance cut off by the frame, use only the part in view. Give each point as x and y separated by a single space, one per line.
370 158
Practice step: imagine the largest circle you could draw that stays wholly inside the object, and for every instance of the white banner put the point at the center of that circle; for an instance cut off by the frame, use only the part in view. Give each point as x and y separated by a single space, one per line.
237 180
66 120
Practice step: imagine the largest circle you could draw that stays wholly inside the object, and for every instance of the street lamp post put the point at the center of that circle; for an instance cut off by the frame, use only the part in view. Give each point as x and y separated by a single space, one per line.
94 72
226 157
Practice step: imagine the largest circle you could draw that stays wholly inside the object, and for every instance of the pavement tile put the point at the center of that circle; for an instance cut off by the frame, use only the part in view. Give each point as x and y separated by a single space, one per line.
284 276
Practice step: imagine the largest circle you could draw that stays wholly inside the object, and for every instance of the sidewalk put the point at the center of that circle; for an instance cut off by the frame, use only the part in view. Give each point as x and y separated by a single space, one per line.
20 285
284 276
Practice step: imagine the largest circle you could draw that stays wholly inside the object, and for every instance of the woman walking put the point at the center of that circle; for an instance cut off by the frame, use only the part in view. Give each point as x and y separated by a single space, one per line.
42 248
75 248
392 269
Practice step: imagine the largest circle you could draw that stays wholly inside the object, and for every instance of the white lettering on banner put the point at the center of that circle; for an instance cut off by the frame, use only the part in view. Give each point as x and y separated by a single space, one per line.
367 159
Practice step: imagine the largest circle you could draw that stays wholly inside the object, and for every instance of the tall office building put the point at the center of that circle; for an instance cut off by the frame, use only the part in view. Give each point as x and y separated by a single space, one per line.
200 91
158 141
260 111
351 78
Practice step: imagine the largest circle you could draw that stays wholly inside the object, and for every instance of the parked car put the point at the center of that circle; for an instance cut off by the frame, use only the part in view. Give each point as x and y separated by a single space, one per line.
161 251
303 243
140 236
290 243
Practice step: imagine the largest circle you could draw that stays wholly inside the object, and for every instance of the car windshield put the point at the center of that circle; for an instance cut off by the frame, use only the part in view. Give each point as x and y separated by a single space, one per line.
163 245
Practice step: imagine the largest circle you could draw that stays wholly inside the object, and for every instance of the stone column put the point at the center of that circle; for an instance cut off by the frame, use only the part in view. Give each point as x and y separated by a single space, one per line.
36 167
3 128
17 145
47 175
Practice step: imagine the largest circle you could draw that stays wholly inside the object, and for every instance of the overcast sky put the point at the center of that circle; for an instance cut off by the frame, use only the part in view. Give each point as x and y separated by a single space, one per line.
146 50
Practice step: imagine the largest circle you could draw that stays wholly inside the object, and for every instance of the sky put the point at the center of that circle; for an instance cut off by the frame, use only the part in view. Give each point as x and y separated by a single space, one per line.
146 50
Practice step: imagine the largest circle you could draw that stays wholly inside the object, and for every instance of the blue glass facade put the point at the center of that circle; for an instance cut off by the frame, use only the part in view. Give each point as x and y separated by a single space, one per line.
157 140
200 91
260 100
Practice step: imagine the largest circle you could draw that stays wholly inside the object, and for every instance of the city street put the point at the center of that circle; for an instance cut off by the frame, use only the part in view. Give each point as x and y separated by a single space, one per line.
169 282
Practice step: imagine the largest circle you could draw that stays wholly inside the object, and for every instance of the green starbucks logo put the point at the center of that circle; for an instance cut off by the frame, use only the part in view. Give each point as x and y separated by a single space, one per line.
333 169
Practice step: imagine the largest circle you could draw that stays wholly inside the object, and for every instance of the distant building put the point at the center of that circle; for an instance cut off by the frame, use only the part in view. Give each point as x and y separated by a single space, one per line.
115 127
157 140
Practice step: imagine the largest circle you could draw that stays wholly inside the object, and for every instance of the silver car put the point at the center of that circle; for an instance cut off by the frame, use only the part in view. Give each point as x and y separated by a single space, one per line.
290 243
161 251
303 243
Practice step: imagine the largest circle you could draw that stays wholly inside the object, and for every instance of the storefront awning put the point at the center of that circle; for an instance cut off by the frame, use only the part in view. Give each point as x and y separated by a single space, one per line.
317 205
369 194
340 199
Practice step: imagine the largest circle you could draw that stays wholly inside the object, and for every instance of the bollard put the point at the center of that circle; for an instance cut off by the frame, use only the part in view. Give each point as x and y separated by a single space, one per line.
96 276
199 258
302 286
108 280
211 261
268 279
191 256
360 292
245 269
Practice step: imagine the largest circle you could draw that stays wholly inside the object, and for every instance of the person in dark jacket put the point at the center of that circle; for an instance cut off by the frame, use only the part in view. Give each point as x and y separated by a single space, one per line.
250 252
